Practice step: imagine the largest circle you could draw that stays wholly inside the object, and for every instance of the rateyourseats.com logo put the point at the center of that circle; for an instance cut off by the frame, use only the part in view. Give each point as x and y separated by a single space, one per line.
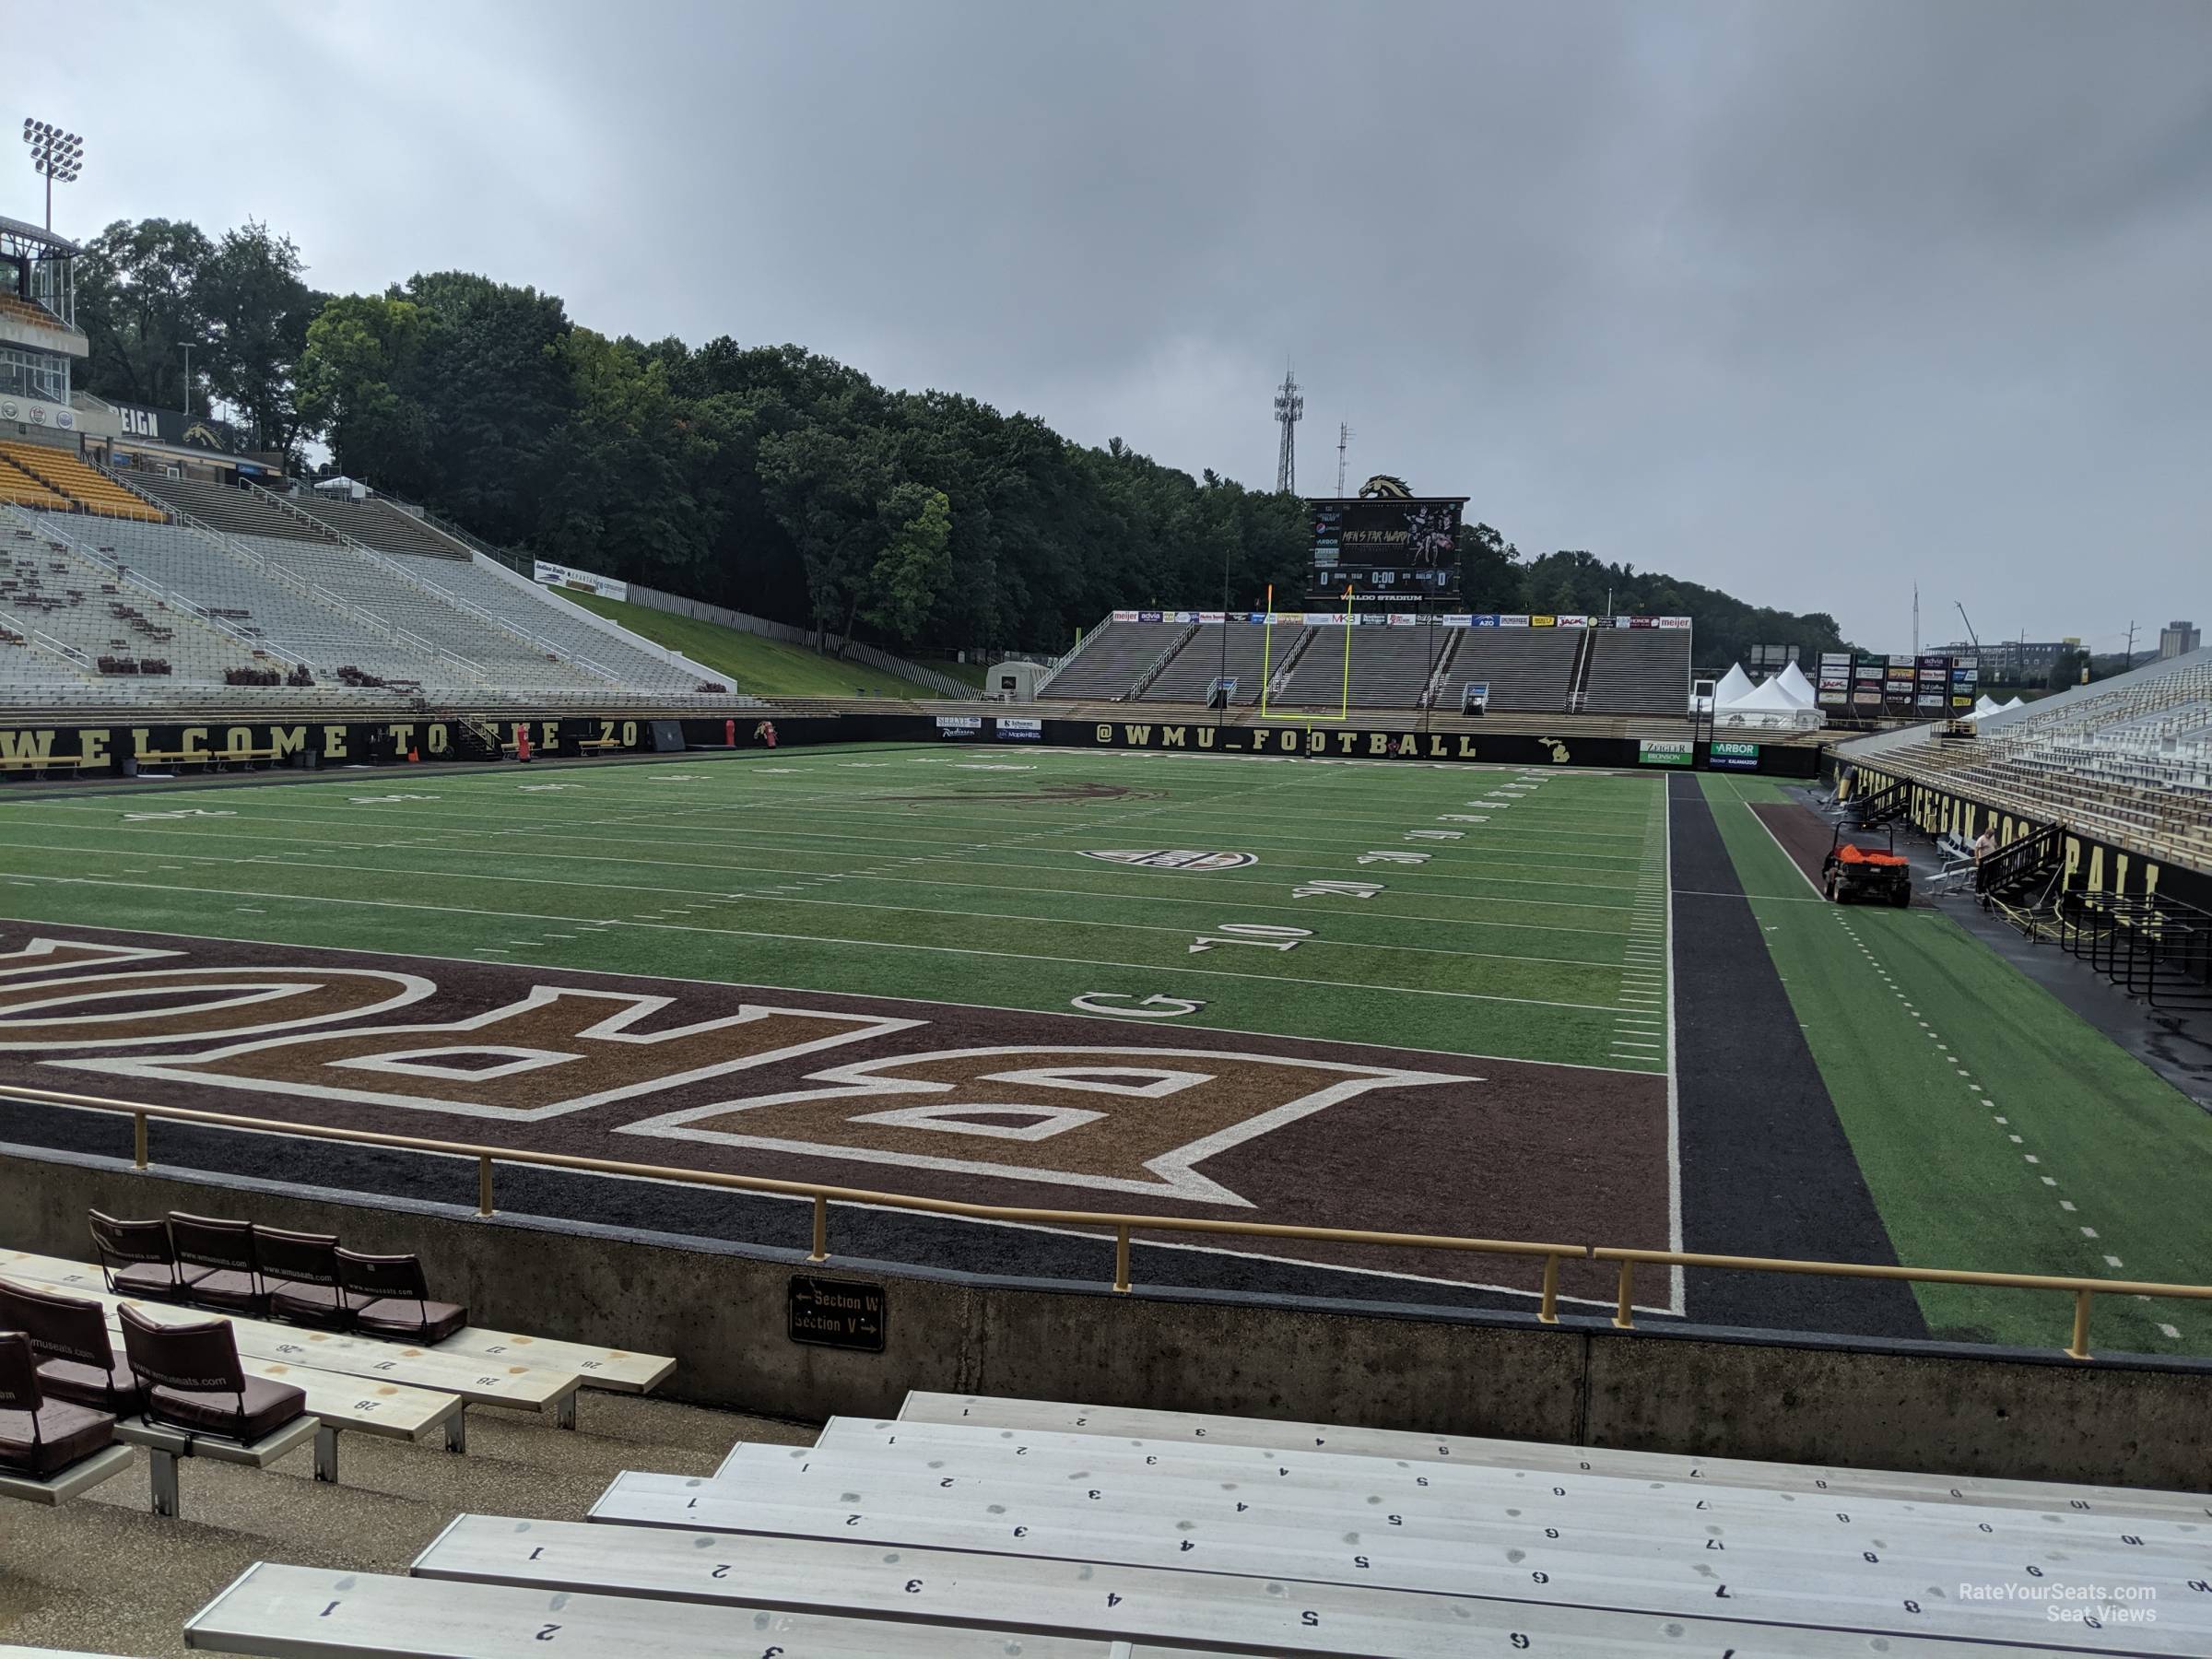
2092 1604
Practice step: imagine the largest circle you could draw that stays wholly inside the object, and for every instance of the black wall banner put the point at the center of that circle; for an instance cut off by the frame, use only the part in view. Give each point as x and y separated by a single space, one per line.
113 750
2086 863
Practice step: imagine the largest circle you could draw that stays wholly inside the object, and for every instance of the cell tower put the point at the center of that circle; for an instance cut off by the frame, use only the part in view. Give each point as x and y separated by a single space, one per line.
1290 410
1344 437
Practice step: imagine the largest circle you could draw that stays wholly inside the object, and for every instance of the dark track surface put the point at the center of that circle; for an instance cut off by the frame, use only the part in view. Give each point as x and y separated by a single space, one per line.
1766 1169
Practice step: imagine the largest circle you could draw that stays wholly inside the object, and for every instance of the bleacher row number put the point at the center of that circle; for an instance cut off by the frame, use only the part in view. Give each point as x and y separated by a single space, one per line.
1263 934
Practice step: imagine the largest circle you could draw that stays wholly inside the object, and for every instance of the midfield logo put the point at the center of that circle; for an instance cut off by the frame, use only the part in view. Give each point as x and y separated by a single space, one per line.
1180 859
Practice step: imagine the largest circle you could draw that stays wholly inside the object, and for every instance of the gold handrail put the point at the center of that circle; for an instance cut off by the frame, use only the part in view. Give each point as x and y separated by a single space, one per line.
1627 1259
823 1197
2081 1289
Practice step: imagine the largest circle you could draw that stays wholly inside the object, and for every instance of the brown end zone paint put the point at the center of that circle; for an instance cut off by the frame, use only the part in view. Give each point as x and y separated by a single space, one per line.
979 1104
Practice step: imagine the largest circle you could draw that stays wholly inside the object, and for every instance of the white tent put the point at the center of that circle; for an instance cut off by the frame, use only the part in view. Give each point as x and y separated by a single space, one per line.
2014 703
1733 684
1793 680
1772 695
1986 704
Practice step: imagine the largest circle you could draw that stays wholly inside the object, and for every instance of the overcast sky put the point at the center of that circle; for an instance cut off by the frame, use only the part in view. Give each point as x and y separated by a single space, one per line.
1803 300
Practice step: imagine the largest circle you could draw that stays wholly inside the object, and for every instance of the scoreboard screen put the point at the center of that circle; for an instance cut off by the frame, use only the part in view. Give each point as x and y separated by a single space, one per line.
1387 543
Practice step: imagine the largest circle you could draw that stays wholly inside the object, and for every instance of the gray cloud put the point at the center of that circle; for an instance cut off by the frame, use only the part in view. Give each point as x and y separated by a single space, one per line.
1807 301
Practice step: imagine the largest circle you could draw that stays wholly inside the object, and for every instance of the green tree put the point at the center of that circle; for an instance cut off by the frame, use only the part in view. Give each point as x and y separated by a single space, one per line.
914 567
254 311
137 302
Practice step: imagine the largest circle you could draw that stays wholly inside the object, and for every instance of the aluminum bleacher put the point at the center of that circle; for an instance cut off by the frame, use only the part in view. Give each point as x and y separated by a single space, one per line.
1390 668
1111 659
1038 1523
1249 651
378 523
2126 760
268 605
114 625
1638 671
1527 669
222 507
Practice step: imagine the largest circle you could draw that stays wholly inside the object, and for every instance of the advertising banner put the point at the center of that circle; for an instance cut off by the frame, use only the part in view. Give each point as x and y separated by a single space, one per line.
960 725
1663 751
1673 621
1455 621
1513 622
1121 615
1492 621
547 575
1573 621
1013 730
1731 757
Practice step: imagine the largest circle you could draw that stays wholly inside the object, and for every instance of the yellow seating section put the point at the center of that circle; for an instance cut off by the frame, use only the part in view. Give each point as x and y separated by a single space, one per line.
65 476
24 491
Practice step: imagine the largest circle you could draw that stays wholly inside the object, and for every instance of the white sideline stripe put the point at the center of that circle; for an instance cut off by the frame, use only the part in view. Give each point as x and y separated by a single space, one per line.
739 933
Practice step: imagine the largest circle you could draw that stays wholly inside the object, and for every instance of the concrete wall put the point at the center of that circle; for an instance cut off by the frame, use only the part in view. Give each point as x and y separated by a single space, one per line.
721 1310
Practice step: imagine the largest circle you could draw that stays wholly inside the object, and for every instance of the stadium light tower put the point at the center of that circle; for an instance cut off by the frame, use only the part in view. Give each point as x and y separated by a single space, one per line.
1290 410
53 155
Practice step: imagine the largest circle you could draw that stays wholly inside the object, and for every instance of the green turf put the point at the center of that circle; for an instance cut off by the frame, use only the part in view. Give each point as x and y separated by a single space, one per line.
1995 1128
821 869
750 663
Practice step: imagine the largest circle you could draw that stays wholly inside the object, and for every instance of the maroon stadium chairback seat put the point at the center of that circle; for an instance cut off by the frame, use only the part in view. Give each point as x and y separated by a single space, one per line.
193 1379
139 1259
69 1336
386 1297
39 1437
301 1273
222 1253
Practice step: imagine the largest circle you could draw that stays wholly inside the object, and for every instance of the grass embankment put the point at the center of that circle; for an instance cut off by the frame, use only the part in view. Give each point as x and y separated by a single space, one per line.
748 662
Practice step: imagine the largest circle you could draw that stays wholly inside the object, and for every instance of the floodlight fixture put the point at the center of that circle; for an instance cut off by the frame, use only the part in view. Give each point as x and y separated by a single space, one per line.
55 155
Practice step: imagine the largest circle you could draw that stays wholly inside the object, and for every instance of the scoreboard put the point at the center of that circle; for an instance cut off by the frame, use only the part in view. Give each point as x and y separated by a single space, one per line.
1387 543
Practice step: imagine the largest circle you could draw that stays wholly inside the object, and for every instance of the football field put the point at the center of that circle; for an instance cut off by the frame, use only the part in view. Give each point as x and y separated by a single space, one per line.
1466 910
1434 999
1407 998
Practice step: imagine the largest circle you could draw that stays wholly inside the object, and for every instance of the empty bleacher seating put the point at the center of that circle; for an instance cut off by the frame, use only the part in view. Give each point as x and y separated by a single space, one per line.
1527 669
228 507
1113 657
1638 671
1390 667
76 483
378 523
1050 1522
2128 761
1252 653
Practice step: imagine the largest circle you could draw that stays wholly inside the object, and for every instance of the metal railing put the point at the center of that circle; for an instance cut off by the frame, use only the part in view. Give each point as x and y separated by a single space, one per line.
1122 1226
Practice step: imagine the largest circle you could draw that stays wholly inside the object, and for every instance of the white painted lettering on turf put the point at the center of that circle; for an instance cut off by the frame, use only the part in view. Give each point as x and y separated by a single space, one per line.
189 812
1151 1008
1340 889
1382 857
1436 834
385 800
1266 934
